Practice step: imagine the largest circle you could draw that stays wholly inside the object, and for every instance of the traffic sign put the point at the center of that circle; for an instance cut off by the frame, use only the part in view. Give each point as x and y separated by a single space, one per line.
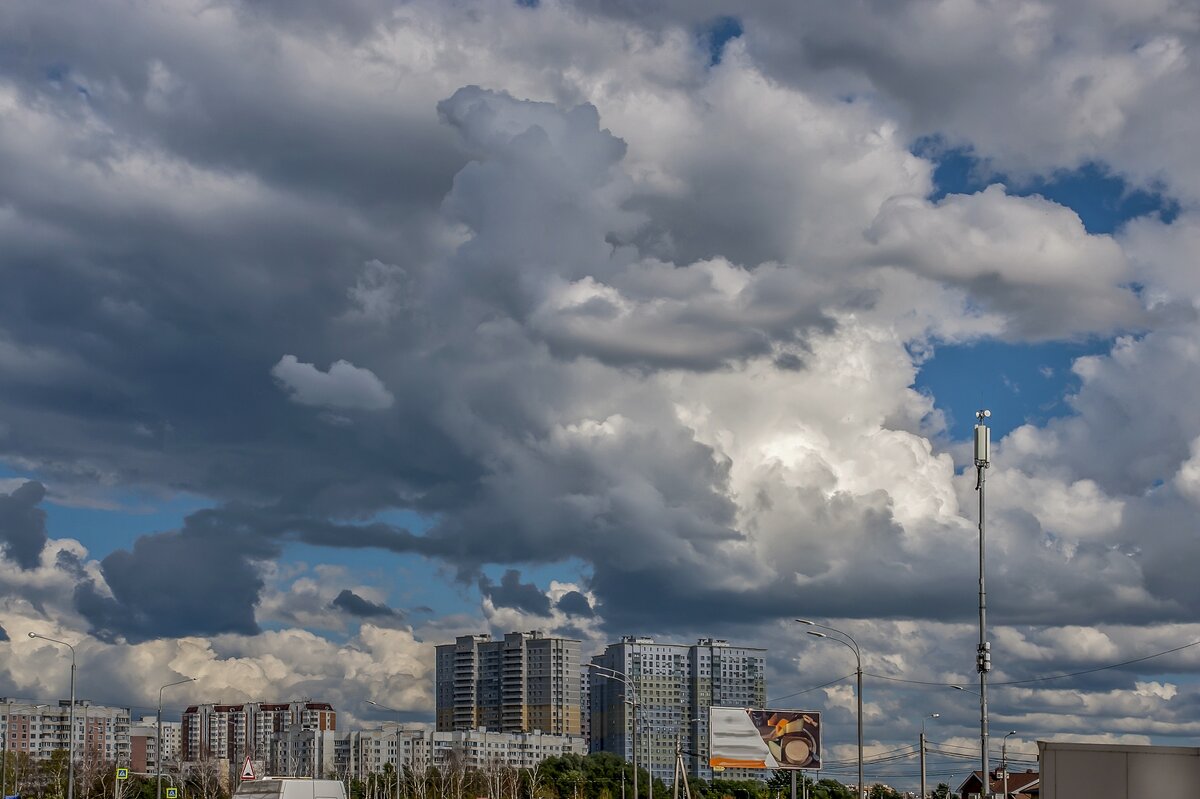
172 793
247 770
122 773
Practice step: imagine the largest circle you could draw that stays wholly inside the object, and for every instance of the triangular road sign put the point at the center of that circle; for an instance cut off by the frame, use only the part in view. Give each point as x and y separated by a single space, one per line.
247 770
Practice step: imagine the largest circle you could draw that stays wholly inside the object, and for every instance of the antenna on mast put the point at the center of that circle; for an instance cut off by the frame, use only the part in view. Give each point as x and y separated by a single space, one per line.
983 656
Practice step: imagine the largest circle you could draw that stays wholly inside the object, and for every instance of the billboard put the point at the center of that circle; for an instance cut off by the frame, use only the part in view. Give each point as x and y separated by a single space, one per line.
741 737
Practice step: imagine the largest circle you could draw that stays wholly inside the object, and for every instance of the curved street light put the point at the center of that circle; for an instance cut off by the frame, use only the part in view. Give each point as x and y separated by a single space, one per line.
622 677
398 731
1004 760
70 717
158 741
924 795
853 646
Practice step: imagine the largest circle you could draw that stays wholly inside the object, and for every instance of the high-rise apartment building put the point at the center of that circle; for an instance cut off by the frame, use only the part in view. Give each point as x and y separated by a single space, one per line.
525 682
674 685
233 732
585 703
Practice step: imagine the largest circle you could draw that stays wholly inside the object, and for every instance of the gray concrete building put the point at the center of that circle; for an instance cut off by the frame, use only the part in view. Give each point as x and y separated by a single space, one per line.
675 684
524 683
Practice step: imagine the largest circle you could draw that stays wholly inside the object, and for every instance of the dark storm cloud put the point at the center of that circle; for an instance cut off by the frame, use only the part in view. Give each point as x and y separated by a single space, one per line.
574 603
512 593
201 580
355 605
23 524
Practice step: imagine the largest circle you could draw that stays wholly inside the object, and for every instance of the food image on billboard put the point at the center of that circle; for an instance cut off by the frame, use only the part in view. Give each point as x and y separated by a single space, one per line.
745 738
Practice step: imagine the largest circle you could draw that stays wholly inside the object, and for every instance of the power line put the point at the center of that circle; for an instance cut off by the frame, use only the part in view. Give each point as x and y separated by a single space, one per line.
1042 679
810 690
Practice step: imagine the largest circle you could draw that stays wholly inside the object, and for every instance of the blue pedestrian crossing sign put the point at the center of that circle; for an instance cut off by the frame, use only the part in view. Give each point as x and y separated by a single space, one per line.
122 773
172 793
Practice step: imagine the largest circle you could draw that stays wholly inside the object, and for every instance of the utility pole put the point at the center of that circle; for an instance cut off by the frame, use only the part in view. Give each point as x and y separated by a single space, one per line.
983 657
925 795
1004 760
70 717
4 752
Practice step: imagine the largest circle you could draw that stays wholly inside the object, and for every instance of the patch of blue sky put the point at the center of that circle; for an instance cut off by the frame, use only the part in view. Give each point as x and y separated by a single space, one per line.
1024 383
1019 383
716 33
103 530
1103 200
406 580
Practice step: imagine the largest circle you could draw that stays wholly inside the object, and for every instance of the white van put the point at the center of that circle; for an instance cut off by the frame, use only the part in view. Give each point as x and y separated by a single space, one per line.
290 788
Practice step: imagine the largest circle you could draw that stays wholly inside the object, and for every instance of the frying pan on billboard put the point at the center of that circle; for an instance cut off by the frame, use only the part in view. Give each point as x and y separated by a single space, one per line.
741 737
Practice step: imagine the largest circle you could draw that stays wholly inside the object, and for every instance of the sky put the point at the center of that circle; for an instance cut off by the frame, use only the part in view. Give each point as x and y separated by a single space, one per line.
329 332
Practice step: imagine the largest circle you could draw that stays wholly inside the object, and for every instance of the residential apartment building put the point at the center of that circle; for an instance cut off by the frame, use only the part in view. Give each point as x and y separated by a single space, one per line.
233 732
364 752
674 685
526 682
585 702
145 747
300 751
101 733
482 748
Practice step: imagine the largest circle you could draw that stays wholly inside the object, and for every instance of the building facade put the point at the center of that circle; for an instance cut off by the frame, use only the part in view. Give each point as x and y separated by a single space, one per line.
145 747
363 752
101 733
300 751
235 732
674 686
526 682
585 703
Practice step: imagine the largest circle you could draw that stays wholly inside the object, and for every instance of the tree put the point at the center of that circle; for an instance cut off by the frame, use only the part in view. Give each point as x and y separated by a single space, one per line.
942 791
203 780
830 789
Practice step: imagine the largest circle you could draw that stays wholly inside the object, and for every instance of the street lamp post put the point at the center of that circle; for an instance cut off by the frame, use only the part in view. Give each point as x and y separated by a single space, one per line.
4 752
398 731
1004 760
983 657
70 717
622 677
853 646
158 742
924 795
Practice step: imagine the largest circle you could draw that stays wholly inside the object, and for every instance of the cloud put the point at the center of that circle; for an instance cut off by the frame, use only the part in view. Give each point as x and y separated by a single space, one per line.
344 386
1025 256
654 317
355 605
200 580
23 524
512 593
574 603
